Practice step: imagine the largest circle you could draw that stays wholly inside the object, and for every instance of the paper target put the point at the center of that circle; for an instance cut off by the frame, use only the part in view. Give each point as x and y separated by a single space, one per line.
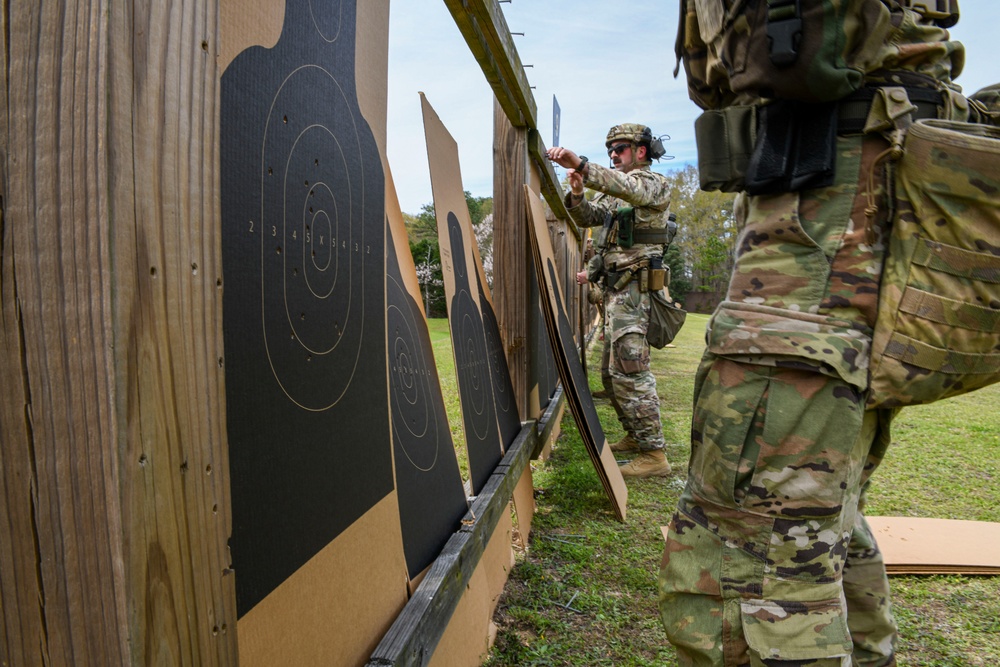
303 233
327 21
418 420
472 369
312 187
581 386
429 483
508 416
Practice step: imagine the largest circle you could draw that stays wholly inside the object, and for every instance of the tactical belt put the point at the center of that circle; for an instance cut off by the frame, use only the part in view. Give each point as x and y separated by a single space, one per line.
852 111
653 236
647 271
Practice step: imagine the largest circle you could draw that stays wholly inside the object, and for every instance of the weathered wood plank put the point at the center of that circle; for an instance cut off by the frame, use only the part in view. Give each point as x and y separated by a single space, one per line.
416 631
551 188
112 483
58 343
175 485
549 420
501 42
511 252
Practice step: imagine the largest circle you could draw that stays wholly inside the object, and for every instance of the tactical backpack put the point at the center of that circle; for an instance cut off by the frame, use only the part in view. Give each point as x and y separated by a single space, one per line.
938 327
811 50
772 76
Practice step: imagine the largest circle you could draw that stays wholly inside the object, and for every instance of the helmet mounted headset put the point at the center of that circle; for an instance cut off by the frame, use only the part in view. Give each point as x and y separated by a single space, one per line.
637 135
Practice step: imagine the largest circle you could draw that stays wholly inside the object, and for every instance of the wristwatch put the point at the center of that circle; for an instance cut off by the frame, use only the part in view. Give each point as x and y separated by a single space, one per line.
583 164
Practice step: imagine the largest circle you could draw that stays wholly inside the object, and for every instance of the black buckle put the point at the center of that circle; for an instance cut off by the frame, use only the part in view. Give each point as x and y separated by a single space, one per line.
784 30
943 13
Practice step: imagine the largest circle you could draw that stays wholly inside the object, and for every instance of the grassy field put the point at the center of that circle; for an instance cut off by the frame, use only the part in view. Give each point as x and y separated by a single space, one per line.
584 592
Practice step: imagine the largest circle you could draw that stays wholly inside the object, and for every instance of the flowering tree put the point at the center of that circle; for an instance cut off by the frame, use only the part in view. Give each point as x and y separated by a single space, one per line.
484 241
422 231
428 265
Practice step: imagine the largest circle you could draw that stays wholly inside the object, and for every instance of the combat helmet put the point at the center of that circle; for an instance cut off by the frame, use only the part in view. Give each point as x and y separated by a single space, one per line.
638 134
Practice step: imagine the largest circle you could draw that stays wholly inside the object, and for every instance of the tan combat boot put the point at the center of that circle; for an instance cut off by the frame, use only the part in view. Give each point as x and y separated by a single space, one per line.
626 444
649 463
601 393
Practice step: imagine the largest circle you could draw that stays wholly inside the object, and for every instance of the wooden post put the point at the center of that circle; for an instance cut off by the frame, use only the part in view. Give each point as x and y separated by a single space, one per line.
114 509
512 254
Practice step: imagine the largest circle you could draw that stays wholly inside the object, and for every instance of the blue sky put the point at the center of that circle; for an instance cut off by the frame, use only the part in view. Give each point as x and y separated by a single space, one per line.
606 62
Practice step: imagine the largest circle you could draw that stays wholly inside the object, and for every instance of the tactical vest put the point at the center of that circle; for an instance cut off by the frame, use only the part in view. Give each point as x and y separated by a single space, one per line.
938 327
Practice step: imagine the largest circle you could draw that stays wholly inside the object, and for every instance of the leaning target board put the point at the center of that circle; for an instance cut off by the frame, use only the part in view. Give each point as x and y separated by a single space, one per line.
483 415
571 372
316 537
428 481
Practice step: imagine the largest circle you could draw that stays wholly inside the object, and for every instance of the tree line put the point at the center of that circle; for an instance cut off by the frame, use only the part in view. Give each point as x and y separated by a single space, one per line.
700 257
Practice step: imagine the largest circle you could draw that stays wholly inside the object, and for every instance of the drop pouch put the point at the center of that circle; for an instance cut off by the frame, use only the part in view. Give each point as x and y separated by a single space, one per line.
665 320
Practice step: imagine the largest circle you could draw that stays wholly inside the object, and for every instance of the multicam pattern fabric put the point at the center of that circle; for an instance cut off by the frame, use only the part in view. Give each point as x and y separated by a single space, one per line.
726 58
644 189
627 316
938 327
805 286
626 311
606 380
768 559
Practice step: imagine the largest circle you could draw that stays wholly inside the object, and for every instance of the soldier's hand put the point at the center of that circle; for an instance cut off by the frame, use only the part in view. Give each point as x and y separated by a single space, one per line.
563 157
575 181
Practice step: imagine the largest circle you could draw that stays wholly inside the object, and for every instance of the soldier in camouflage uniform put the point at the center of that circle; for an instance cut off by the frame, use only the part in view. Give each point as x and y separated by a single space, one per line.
769 560
630 186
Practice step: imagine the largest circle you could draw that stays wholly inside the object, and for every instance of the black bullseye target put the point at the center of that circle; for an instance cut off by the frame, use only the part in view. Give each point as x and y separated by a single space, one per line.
472 367
312 187
508 417
429 483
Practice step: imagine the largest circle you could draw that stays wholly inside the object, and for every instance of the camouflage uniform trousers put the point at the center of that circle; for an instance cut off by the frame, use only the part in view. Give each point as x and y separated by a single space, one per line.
768 559
626 321
606 380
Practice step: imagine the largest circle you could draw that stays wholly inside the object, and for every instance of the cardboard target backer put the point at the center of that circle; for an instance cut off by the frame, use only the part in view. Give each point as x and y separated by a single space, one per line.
564 348
489 411
317 541
912 545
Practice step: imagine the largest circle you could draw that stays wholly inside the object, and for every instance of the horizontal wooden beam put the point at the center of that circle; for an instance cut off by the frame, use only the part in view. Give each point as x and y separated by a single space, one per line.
547 422
420 625
482 24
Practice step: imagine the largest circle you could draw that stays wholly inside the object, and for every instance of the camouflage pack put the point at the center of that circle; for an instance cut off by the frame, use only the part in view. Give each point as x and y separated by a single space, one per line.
814 50
938 327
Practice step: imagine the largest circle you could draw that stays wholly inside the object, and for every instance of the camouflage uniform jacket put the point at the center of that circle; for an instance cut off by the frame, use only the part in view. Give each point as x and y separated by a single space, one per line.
645 190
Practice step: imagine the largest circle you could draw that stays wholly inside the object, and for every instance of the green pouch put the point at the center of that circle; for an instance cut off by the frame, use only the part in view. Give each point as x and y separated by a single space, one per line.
938 327
665 320
625 217
725 139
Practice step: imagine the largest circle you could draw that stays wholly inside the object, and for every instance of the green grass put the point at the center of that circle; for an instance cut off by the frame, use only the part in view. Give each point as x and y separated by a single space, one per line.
584 592
445 362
